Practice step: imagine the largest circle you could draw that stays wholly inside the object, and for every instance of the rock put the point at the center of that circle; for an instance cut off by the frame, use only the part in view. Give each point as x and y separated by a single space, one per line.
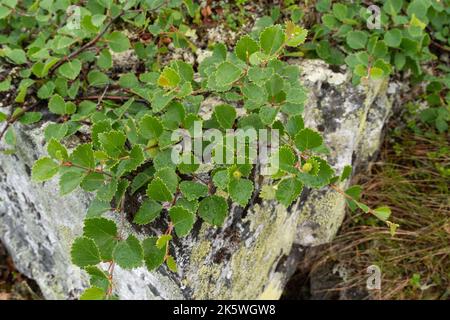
251 256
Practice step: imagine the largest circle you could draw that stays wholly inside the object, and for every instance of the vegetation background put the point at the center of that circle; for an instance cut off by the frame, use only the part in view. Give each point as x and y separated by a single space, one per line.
412 173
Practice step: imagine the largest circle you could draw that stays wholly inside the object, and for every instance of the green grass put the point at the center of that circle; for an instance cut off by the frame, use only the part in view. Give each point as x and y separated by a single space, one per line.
412 177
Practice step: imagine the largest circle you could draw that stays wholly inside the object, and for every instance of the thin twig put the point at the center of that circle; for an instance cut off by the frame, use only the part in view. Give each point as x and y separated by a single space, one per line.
15 117
89 44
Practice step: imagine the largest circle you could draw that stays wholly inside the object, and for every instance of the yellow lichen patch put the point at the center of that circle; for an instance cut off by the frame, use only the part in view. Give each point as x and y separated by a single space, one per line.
321 209
250 273
274 234
200 252
272 291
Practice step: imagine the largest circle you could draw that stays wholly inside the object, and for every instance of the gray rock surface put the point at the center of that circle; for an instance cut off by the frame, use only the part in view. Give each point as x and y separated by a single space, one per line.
251 256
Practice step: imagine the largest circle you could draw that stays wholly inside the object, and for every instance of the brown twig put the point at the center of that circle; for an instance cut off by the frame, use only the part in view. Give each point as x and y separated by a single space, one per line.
70 164
87 45
15 117
111 97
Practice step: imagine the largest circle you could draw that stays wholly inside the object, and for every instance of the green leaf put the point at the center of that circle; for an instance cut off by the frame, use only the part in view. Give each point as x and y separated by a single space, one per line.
171 264
272 39
99 127
23 89
153 256
56 131
148 212
392 7
10 136
184 70
225 115
259 75
296 95
227 73
69 181
113 143
57 105
107 191
346 172
30 117
376 73
169 177
83 156
70 69
163 240
316 179
267 114
4 12
157 190
84 252
150 127
308 139
255 93
362 206
245 47
418 8
274 86
183 220
287 159
129 254
213 210
240 191
98 278
104 60
134 160
357 39
97 78
288 190
294 125
221 179
46 90
97 208
193 190
169 78
17 56
340 11
128 80
296 35
44 169
355 193
118 42
5 85
142 179
93 293
393 37
104 234
93 181
383 213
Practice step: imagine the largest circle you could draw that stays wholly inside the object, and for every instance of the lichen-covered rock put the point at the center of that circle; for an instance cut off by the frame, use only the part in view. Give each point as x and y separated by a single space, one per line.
250 257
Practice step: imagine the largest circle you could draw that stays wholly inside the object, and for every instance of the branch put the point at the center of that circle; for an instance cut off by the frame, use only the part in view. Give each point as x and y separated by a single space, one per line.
13 118
89 44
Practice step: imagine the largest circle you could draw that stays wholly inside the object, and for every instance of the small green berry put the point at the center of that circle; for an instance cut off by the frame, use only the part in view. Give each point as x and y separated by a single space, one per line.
307 167
237 174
